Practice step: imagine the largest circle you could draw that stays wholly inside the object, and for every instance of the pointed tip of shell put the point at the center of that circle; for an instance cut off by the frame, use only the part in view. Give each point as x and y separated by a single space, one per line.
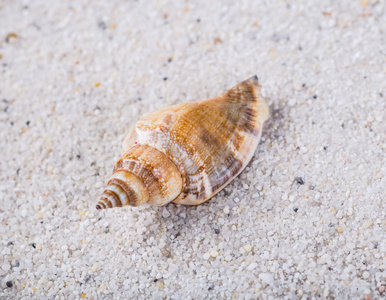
123 188
255 79
104 202
113 196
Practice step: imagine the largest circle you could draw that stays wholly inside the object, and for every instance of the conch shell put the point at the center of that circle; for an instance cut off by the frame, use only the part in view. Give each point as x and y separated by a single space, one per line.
188 152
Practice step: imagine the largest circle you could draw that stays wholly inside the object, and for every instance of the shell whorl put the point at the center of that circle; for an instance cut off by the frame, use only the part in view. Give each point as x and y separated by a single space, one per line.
195 148
123 188
143 174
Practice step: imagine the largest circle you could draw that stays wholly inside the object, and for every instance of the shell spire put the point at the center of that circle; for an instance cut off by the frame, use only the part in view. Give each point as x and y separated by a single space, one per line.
188 152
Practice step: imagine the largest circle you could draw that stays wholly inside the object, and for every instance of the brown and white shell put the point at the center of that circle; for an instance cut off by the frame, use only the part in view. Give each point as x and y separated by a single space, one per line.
188 152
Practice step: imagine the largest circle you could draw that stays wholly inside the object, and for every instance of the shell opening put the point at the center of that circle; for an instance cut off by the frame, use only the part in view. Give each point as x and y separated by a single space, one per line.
124 188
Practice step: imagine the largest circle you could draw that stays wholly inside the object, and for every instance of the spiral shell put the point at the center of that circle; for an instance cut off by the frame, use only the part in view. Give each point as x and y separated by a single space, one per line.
188 152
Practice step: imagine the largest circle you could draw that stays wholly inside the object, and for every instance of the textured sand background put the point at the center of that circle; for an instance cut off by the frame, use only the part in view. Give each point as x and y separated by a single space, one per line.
306 219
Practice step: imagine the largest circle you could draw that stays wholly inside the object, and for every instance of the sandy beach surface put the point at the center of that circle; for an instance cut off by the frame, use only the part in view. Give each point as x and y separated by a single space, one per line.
305 220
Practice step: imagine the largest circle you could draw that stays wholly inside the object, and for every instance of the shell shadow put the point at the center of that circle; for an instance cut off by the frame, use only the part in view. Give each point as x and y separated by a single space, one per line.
278 115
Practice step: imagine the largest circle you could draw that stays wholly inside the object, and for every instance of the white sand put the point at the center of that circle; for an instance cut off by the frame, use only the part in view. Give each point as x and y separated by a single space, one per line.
322 67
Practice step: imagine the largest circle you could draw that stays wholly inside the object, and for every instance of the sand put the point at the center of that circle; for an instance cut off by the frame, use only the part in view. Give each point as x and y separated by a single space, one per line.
306 219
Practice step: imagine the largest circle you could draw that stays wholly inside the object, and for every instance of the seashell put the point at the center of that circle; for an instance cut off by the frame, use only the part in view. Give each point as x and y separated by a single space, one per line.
188 152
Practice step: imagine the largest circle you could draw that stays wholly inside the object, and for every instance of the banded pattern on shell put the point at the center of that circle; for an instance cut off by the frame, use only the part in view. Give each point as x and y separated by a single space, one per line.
187 153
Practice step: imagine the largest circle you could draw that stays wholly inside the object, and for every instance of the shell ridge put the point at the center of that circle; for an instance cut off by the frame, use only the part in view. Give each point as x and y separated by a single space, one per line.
248 95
